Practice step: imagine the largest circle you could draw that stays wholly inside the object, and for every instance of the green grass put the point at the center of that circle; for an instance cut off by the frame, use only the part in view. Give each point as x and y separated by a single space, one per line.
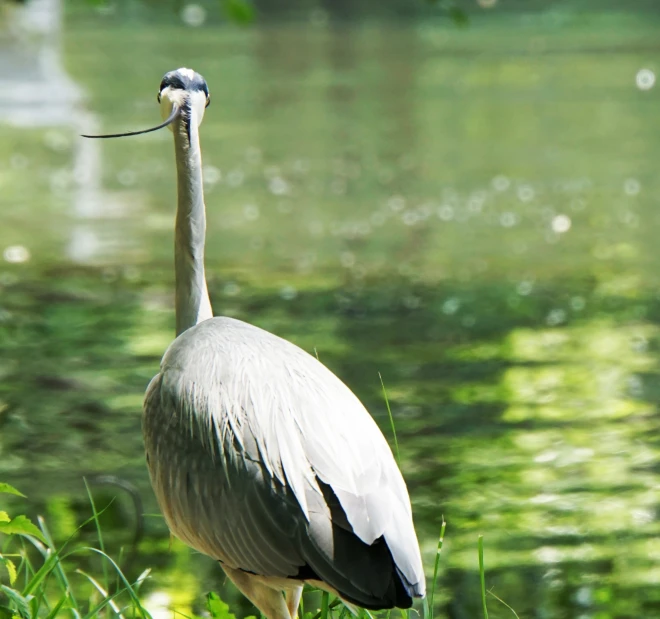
482 575
436 566
389 413
43 580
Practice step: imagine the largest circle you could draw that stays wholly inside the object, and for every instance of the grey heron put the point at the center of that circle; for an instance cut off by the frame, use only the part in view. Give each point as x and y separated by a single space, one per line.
259 456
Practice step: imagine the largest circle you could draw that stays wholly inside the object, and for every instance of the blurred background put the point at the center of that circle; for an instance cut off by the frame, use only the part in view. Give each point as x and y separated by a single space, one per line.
460 196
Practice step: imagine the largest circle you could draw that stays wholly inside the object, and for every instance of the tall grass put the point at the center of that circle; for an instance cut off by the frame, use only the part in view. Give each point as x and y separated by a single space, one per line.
482 575
43 580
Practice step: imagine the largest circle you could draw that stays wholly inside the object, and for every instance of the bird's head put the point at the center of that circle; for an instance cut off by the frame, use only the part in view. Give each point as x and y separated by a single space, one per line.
183 96
185 90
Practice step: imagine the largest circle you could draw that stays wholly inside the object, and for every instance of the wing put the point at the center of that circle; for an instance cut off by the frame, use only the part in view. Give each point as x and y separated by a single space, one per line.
263 459
211 492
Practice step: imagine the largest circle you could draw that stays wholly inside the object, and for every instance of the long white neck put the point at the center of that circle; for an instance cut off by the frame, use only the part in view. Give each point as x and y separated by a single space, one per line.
191 297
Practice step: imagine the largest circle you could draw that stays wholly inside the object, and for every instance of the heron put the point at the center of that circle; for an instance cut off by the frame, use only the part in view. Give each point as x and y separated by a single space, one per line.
259 456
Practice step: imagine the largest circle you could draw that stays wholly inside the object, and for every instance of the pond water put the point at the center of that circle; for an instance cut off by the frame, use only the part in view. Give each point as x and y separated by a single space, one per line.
472 213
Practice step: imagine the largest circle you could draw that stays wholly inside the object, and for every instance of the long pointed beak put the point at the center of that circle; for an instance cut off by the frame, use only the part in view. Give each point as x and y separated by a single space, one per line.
172 117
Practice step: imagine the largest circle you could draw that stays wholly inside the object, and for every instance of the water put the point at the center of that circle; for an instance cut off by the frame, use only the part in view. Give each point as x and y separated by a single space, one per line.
470 214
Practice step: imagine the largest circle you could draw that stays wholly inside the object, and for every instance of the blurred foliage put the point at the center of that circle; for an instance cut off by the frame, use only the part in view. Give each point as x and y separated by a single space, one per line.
239 11
459 12
48 578
244 12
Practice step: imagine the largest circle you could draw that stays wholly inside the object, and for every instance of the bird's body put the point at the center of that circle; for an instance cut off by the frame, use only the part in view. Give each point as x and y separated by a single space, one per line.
263 459
259 456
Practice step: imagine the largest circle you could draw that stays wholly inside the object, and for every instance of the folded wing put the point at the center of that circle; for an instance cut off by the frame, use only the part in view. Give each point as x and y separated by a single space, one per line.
263 459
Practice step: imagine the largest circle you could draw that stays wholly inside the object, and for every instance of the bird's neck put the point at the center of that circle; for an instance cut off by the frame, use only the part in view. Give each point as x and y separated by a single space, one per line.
191 297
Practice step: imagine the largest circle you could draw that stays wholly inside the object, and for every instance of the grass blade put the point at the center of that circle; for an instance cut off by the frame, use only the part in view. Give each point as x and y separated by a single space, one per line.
389 412
7 489
38 577
51 557
441 539
95 613
134 598
482 575
102 591
53 613
95 516
336 602
501 601
325 605
22 603
58 570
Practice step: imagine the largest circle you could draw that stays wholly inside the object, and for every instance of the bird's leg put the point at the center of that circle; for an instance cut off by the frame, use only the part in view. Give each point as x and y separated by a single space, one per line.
269 601
293 600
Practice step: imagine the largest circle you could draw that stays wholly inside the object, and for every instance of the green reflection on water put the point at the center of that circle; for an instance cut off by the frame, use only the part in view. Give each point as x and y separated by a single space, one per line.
397 199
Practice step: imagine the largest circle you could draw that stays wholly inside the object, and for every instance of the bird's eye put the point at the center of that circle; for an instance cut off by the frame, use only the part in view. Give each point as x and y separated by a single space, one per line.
158 96
208 100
